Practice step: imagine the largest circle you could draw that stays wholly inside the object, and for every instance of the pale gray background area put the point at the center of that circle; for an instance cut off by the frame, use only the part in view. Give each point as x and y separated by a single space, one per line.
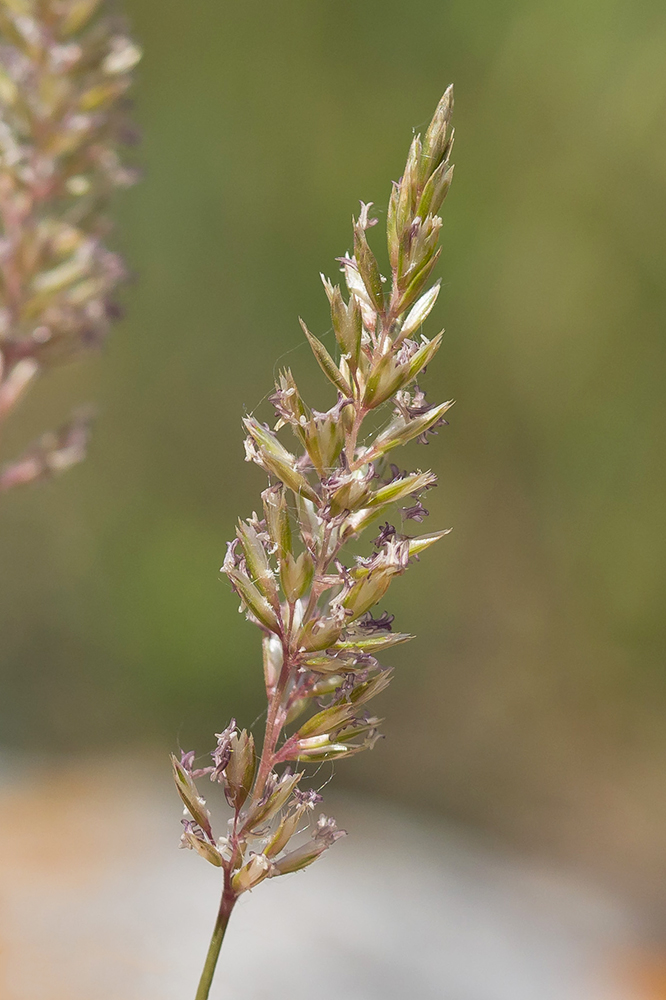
98 903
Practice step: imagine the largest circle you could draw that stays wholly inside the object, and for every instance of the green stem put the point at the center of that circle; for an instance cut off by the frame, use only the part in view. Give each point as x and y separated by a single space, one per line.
226 906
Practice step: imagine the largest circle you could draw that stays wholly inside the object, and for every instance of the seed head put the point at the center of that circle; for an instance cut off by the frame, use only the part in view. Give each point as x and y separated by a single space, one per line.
329 480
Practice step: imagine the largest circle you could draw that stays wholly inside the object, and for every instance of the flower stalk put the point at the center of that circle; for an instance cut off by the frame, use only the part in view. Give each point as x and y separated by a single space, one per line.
65 68
295 567
226 906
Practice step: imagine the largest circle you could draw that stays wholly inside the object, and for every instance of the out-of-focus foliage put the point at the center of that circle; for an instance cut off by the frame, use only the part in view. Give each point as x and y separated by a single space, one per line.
534 690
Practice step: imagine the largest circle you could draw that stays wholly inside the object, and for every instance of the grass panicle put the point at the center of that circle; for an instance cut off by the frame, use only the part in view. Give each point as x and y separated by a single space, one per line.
65 69
291 565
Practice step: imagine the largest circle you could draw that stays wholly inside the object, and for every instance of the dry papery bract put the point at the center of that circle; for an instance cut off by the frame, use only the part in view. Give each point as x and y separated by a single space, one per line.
65 68
330 479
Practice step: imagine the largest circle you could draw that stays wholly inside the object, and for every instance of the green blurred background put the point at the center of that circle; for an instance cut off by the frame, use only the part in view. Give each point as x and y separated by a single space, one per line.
532 701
